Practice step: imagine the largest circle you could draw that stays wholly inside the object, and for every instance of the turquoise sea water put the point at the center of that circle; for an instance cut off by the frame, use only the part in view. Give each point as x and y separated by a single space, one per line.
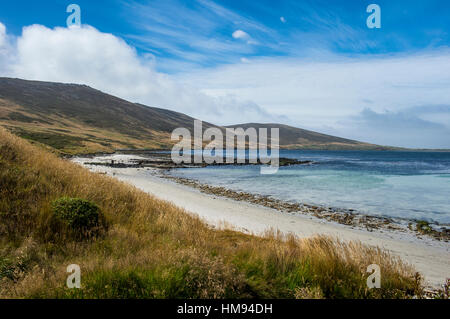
410 185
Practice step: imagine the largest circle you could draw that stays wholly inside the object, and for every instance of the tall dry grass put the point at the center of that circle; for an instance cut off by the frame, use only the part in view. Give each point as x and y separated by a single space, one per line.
153 249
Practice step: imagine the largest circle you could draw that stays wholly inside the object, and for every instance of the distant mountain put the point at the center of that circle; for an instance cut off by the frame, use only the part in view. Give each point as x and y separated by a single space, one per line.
295 138
78 119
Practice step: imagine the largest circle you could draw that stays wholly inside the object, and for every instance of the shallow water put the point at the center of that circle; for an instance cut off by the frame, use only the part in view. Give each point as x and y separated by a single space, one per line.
411 185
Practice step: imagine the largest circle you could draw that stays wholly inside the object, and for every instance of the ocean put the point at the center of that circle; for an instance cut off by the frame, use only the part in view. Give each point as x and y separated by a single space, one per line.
406 185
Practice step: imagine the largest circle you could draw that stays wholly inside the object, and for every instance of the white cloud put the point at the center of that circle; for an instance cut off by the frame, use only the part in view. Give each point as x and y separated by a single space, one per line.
242 35
239 34
87 56
282 19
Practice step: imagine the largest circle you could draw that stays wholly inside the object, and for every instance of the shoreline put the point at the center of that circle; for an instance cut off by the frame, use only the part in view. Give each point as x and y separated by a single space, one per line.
348 217
428 256
345 216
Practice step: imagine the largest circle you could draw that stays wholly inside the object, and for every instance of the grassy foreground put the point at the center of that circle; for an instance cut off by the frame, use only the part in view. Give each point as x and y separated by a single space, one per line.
152 249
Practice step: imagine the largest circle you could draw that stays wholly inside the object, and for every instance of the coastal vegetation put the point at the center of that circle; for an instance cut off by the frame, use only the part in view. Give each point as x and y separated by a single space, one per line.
147 248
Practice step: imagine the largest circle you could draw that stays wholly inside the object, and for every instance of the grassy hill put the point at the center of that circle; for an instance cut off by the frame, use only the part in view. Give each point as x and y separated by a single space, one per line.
297 138
78 119
148 248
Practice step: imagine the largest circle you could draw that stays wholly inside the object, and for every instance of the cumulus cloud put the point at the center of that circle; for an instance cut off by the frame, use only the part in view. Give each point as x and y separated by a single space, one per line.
283 19
87 56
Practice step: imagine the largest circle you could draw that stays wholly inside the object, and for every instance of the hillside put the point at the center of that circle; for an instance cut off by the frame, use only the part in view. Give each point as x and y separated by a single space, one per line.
148 248
78 119
297 138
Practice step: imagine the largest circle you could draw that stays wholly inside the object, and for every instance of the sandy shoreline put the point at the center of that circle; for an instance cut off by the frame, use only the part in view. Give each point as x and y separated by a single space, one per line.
431 258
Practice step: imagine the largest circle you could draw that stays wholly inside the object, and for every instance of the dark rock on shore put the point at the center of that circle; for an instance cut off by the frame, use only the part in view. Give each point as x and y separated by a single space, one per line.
162 160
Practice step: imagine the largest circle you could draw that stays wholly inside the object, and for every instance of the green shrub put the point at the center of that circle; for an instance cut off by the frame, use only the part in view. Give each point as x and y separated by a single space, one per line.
6 269
423 227
77 214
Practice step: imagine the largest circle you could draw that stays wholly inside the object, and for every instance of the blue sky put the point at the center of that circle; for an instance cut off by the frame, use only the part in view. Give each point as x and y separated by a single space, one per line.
199 32
313 64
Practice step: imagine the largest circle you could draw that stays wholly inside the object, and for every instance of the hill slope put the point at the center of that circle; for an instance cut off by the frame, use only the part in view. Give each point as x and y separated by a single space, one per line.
76 119
294 138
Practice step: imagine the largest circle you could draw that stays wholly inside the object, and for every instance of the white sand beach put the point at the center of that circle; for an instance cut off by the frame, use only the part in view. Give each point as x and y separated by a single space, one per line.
430 257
